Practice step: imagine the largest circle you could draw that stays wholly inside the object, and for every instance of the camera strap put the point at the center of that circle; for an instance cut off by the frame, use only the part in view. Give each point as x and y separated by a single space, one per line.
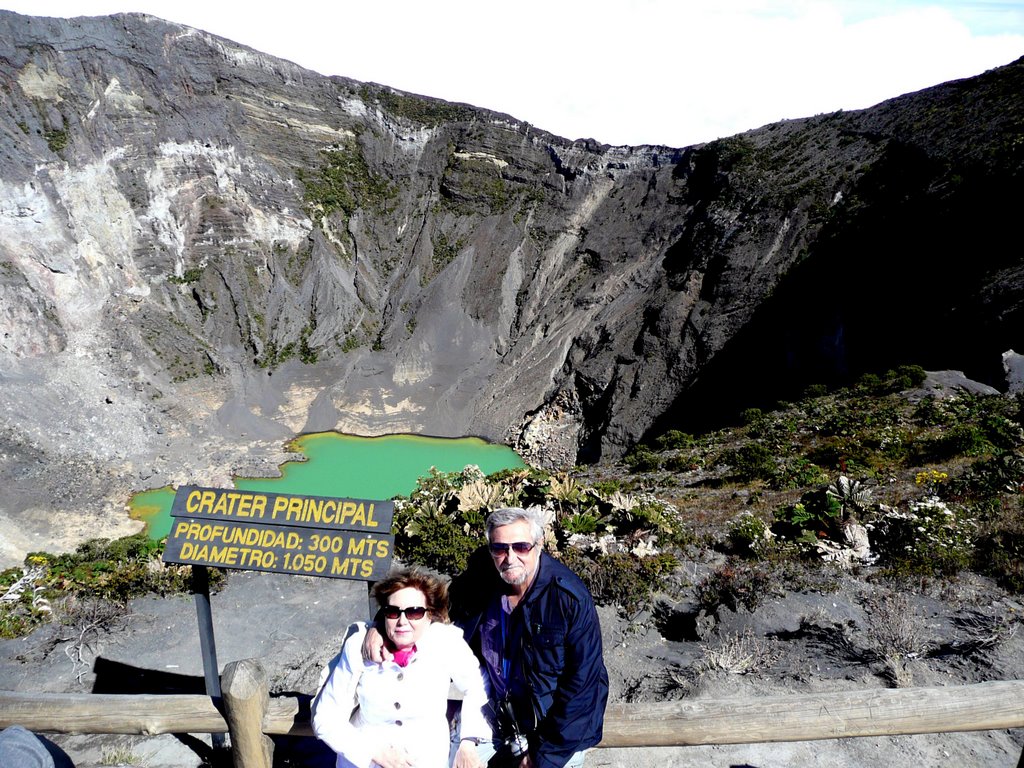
522 658
505 665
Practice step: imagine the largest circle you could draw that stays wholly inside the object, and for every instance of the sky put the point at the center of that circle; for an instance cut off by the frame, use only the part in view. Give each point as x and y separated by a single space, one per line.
668 72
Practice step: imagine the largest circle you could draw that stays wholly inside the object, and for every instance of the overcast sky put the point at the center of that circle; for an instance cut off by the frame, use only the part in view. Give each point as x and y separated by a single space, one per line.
673 72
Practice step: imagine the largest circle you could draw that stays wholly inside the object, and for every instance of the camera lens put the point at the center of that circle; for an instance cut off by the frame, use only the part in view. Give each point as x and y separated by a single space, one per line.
518 745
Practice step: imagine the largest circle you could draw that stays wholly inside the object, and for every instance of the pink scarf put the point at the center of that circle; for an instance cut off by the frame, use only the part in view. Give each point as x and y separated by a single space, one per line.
404 656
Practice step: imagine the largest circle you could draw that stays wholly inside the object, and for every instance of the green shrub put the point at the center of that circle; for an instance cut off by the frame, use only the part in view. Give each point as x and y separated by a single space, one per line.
433 528
797 472
848 419
749 534
23 608
443 522
674 440
841 454
620 579
643 459
116 570
929 411
650 515
914 373
438 542
1001 432
815 390
416 108
752 416
894 380
681 462
307 354
753 461
733 586
818 515
1000 554
959 440
608 487
444 251
192 275
988 478
57 140
581 522
869 382
343 182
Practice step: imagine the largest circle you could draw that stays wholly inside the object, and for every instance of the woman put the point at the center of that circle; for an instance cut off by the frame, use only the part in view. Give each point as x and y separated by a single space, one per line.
393 714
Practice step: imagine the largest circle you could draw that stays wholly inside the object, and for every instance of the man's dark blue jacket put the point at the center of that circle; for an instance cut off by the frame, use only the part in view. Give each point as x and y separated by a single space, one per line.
560 654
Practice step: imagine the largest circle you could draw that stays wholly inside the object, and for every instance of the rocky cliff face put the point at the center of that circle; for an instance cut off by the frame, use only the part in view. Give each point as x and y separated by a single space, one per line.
205 247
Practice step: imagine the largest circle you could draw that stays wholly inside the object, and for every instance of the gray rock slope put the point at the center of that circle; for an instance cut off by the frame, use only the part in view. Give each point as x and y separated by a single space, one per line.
205 249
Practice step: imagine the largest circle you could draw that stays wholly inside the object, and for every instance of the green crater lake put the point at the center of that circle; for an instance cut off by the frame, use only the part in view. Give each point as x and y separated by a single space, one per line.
352 467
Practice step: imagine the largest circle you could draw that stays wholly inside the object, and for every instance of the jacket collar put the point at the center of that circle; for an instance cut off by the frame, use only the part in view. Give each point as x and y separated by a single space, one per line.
545 575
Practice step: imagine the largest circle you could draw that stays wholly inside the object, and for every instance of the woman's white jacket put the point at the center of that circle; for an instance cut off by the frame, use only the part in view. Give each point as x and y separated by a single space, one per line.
365 705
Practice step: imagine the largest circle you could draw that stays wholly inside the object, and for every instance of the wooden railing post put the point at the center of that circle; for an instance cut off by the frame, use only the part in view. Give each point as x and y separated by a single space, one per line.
246 698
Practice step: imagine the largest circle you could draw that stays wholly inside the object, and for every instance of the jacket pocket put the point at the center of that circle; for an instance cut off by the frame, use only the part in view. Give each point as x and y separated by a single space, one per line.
549 645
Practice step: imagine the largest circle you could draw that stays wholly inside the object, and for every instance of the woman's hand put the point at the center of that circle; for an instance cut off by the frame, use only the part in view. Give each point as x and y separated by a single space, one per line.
373 647
466 756
392 757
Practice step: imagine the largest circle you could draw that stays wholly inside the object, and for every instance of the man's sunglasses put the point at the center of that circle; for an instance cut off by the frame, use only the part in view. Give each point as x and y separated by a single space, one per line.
412 614
519 547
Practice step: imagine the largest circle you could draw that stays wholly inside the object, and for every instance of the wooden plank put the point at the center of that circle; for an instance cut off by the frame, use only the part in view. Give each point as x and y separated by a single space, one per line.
808 717
802 717
288 716
110 713
798 717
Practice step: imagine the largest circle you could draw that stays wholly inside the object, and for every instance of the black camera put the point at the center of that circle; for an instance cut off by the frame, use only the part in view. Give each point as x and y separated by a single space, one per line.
514 744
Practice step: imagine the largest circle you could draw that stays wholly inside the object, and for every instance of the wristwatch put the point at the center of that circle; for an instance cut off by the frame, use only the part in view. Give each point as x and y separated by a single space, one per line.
474 739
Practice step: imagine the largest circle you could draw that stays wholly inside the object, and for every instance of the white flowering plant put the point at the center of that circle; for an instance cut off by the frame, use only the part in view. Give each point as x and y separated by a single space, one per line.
930 537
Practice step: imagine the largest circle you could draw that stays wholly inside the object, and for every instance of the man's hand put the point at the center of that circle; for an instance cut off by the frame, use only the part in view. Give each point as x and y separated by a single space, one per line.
466 756
526 762
373 647
392 757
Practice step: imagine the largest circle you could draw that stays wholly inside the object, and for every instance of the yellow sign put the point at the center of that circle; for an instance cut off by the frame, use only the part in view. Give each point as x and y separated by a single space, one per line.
283 509
309 535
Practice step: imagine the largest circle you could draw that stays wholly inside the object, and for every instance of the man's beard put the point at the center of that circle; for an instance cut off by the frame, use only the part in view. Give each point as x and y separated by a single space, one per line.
518 580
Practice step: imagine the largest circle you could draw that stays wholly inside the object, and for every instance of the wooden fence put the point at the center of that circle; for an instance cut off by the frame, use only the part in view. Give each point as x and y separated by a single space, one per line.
250 714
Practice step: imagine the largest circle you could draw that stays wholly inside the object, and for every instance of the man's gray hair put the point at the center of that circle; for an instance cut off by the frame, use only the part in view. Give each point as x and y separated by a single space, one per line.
509 515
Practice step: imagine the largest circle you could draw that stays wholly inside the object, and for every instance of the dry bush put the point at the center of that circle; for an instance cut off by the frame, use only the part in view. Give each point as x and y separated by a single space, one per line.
87 619
896 634
896 628
123 756
739 653
983 631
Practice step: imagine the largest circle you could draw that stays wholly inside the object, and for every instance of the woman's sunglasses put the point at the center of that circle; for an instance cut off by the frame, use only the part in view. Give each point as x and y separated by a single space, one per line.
412 614
519 547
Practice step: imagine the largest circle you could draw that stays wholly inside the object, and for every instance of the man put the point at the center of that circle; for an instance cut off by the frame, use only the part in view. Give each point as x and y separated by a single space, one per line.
536 631
533 625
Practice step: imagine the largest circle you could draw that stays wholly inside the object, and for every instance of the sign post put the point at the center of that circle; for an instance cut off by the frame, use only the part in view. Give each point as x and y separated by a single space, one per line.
336 538
207 645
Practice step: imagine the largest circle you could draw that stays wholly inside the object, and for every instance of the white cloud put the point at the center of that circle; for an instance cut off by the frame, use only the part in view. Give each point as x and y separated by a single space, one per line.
638 71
